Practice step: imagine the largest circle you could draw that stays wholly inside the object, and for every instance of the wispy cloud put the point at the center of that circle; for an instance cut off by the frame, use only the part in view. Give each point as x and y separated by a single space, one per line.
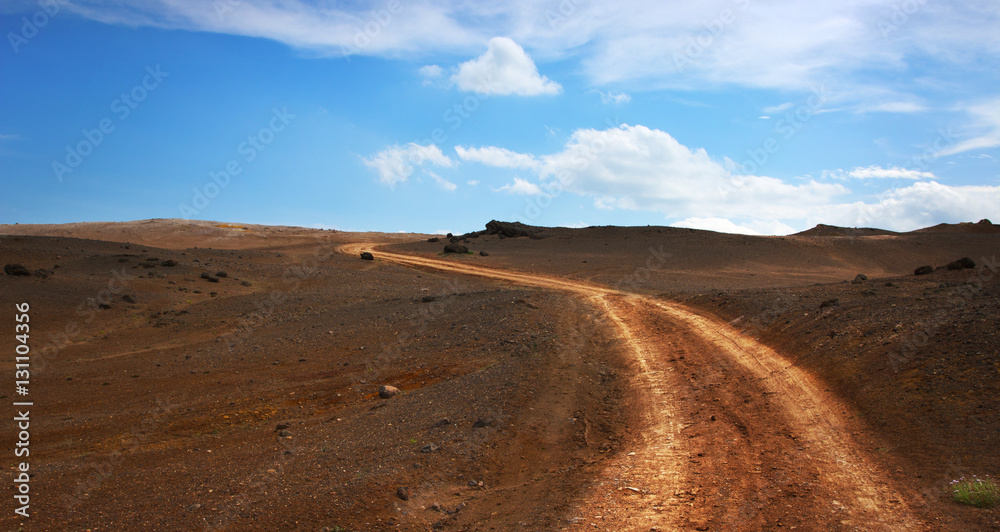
499 157
984 130
614 97
521 187
877 172
725 43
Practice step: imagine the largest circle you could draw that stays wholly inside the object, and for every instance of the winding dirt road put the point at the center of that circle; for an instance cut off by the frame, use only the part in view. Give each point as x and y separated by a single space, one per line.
734 436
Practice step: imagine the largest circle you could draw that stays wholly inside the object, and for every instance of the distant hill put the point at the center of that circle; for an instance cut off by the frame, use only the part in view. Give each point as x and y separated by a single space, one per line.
983 226
832 230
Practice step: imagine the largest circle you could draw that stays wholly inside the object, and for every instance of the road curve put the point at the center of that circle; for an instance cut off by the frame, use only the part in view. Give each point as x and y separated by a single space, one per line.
735 436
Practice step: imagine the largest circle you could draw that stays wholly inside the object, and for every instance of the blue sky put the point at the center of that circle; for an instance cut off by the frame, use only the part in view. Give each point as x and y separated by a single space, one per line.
732 115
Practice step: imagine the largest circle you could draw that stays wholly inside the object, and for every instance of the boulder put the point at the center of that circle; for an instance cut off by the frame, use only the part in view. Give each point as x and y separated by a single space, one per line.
434 239
16 269
365 255
512 229
483 254
209 277
387 392
455 247
923 270
860 278
967 263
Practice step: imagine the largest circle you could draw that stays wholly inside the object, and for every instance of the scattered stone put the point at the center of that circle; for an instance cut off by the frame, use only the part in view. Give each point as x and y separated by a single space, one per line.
387 392
483 254
16 269
221 274
104 306
281 426
429 448
403 493
481 423
860 278
441 423
284 433
434 239
923 270
169 263
367 256
209 277
829 303
428 299
436 507
456 248
129 298
246 283
193 507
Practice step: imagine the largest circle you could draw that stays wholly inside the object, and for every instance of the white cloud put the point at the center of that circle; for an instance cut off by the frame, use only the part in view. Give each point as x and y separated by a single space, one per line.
634 167
778 44
777 108
395 164
614 97
521 187
877 172
472 182
442 182
638 168
499 157
433 74
431 71
922 204
504 69
985 130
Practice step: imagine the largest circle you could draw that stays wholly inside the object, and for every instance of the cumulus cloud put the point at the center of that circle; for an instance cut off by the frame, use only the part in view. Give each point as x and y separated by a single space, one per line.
723 225
521 187
639 168
922 204
395 164
499 157
505 68
635 167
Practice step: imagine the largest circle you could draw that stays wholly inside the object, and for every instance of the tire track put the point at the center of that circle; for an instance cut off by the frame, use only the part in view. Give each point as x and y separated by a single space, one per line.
850 492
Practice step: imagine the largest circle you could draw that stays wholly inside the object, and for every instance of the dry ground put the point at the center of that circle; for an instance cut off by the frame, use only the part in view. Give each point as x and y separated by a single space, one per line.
617 378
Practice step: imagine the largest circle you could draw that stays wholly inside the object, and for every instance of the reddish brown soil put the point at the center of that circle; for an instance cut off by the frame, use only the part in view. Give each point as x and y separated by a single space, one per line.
608 394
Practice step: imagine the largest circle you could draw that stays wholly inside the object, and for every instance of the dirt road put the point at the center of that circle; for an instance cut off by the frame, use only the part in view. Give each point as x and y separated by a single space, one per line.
735 438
